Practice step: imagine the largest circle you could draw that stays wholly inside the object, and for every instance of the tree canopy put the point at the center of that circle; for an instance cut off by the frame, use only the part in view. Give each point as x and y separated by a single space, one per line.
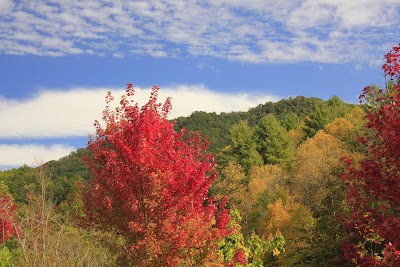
151 186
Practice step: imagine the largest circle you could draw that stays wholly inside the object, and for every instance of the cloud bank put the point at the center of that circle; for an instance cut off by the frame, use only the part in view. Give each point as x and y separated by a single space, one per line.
325 31
71 113
57 113
13 155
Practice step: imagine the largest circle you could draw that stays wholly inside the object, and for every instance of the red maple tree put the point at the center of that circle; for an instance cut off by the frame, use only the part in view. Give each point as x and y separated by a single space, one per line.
151 185
374 186
7 214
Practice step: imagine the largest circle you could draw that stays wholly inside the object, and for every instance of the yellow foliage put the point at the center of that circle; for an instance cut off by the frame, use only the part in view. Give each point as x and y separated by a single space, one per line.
296 223
289 218
357 117
263 178
279 214
317 165
342 129
232 184
296 136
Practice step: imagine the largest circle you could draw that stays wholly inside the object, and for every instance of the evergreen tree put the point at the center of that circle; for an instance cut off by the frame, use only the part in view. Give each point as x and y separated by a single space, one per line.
243 147
273 140
290 121
316 121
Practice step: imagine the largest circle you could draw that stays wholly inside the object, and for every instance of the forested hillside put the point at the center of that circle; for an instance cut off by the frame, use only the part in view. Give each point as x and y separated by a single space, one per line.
298 113
299 182
290 112
270 158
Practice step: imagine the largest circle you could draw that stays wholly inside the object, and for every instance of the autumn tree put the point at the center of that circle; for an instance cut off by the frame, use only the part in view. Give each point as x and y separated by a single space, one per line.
316 184
7 214
252 251
296 223
232 184
297 135
317 166
268 177
280 214
274 211
374 186
151 185
342 129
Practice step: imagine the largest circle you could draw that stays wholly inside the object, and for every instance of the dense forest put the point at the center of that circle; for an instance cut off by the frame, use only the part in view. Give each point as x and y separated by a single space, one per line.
298 182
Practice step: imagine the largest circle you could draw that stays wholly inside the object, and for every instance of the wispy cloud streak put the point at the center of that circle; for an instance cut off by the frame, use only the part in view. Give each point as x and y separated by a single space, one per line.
253 31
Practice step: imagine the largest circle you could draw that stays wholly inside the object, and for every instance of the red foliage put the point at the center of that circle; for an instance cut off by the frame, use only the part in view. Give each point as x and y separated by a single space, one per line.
392 67
240 257
374 187
7 214
151 185
222 217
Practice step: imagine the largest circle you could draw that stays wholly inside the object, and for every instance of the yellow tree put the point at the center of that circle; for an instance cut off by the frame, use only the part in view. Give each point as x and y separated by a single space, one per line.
357 117
349 128
266 184
347 131
268 177
274 211
342 129
316 184
232 183
296 223
317 164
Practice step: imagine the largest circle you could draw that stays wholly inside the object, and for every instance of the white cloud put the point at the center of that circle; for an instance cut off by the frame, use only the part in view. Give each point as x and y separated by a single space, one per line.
59 114
203 65
186 99
56 113
328 31
5 6
31 154
118 55
51 113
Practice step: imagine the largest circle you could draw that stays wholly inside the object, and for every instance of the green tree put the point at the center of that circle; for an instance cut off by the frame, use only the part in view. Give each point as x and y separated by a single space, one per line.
243 147
336 108
18 181
290 121
273 140
316 121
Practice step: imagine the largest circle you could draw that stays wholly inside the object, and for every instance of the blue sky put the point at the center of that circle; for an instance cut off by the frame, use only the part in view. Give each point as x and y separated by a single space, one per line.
58 58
